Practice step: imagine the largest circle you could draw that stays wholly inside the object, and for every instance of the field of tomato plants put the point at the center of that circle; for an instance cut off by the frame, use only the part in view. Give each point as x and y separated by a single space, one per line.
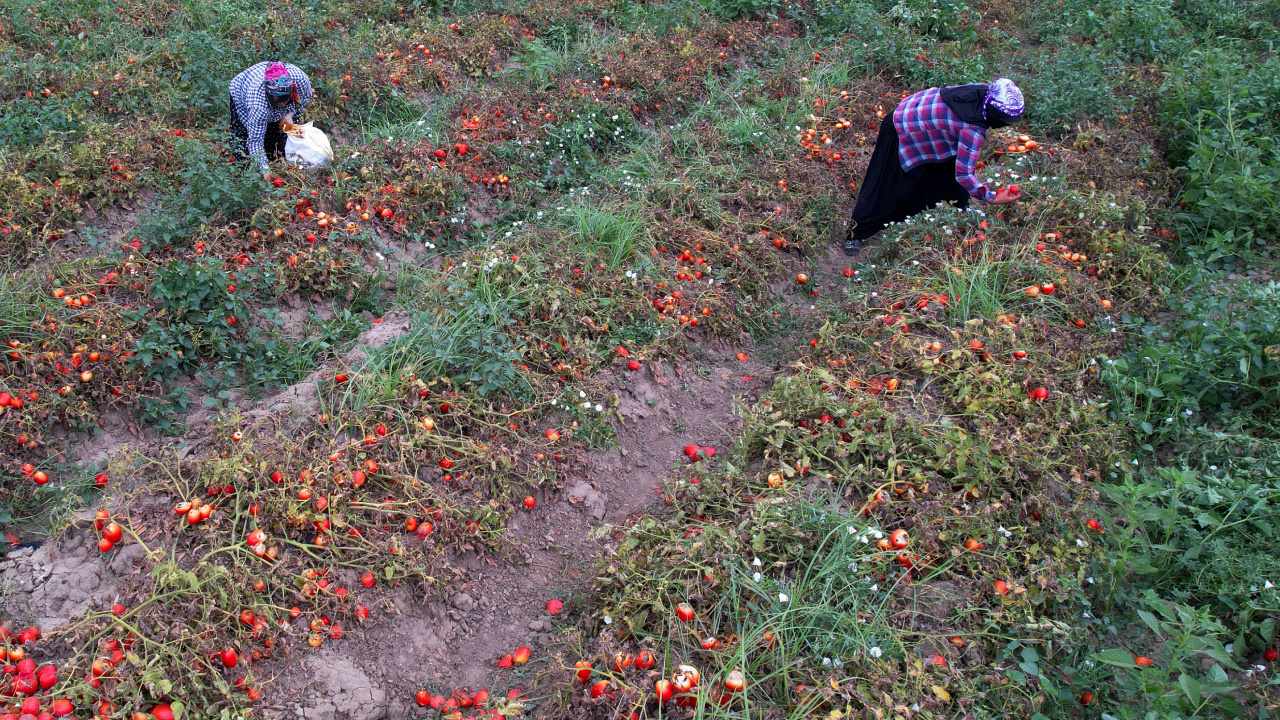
553 395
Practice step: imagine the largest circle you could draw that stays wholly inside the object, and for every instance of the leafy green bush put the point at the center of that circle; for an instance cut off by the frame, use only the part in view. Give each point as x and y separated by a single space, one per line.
751 9
1220 360
1066 85
195 315
213 189
24 123
938 19
1226 137
1138 30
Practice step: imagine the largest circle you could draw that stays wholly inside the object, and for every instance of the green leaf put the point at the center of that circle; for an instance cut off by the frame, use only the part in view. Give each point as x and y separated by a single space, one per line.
1116 657
1218 653
1191 687
1150 620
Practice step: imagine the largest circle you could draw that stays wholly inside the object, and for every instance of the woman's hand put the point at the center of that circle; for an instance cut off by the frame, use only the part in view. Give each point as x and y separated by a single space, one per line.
1004 196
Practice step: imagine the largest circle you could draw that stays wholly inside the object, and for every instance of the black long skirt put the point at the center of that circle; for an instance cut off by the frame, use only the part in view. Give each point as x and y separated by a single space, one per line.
890 194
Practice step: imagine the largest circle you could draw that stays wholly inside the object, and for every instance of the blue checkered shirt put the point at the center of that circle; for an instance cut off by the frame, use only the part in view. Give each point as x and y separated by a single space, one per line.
249 92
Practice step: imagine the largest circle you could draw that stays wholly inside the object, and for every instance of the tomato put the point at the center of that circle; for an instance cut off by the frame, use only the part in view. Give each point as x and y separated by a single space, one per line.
664 690
368 580
899 538
633 365
645 660
582 670
684 611
47 676
113 532
529 502
61 706
621 661
600 689
1001 587
735 681
229 657
105 545
1142 661
522 655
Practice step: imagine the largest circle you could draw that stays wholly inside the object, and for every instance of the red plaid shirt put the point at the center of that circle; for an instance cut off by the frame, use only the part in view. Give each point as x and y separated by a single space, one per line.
928 131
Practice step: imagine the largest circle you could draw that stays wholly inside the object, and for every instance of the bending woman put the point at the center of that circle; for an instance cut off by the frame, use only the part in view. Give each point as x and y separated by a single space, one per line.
262 96
926 155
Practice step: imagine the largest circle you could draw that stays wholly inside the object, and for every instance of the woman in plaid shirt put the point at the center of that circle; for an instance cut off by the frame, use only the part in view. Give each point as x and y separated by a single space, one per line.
261 97
927 152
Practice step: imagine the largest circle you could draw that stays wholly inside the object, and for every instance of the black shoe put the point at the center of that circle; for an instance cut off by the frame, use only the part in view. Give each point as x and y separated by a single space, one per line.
852 246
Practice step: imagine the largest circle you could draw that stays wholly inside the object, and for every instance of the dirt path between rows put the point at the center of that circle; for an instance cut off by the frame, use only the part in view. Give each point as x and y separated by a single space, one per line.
495 605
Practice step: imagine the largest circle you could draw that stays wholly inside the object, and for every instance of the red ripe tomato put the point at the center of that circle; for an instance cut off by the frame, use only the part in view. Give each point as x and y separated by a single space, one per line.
899 538
229 657
1270 654
1142 661
368 580
1001 587
633 365
113 532
47 676
441 154
582 670
423 697
684 611
529 502
664 690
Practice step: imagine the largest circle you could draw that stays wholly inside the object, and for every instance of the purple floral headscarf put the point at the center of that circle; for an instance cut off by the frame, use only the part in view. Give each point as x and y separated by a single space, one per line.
1004 96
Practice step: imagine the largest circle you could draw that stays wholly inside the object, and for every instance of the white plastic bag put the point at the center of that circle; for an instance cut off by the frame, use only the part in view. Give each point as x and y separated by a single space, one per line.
307 146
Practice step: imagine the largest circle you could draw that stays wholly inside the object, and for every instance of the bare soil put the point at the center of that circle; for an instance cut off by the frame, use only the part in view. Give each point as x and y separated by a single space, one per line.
492 604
